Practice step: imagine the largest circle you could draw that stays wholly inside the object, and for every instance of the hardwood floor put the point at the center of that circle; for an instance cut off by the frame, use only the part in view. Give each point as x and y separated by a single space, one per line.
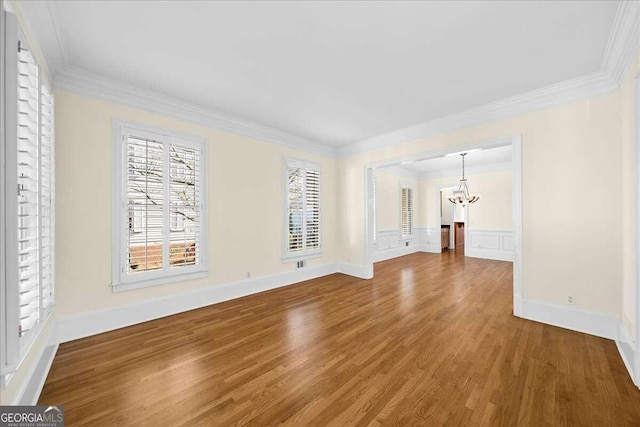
430 341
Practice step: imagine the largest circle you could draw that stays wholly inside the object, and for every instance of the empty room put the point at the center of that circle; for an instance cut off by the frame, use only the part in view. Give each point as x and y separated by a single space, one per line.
320 213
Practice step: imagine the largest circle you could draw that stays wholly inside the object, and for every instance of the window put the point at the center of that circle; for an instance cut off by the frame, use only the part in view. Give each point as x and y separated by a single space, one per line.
159 198
406 210
28 198
302 212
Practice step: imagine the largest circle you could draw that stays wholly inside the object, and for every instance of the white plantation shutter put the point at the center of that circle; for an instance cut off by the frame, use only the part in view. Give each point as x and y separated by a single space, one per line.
145 198
47 194
159 223
28 191
28 197
303 207
312 209
407 211
185 201
295 209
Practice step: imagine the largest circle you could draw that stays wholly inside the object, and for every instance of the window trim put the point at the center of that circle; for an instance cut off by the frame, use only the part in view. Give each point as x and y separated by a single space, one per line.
120 280
288 256
406 237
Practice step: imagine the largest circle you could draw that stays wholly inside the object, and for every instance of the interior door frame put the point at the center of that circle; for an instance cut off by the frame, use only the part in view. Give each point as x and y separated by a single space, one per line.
515 141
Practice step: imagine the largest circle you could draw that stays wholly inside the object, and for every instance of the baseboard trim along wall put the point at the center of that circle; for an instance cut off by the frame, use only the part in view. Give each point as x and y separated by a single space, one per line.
31 386
630 354
96 322
590 322
92 323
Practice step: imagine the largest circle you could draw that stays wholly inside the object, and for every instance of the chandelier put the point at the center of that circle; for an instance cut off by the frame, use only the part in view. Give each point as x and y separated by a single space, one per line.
462 196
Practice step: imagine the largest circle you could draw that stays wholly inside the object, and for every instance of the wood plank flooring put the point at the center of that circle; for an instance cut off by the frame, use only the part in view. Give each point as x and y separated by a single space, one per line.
430 341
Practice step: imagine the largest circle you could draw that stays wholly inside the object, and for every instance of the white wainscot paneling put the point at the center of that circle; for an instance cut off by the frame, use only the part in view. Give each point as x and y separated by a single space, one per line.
490 244
390 244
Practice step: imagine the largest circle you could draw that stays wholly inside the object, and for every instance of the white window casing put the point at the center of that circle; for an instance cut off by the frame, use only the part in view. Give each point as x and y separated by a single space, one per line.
159 207
302 223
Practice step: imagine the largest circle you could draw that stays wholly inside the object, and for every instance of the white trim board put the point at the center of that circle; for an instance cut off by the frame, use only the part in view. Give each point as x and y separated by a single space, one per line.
630 354
622 45
79 81
29 390
95 322
72 327
589 322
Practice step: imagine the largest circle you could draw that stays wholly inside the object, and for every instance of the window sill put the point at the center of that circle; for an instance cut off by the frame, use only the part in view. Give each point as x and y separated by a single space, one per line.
301 257
128 286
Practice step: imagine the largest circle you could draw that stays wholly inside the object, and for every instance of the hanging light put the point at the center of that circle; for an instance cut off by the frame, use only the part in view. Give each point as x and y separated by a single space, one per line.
462 196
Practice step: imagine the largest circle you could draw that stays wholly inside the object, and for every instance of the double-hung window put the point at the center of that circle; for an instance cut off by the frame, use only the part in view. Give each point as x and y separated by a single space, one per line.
159 207
303 209
27 292
406 210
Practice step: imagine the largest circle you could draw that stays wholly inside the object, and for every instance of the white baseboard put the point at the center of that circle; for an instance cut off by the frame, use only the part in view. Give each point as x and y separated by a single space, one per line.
395 252
489 254
360 271
630 354
590 322
92 323
405 250
35 384
430 248
96 322
31 387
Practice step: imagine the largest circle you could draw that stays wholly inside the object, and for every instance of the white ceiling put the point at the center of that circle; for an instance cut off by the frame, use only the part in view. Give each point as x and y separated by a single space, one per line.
331 72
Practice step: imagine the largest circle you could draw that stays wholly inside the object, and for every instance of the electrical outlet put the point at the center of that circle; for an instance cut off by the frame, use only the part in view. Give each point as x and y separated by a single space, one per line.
570 299
248 275
406 243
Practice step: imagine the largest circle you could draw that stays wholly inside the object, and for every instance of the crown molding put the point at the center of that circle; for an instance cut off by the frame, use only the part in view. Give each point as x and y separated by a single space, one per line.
561 93
622 45
86 83
623 40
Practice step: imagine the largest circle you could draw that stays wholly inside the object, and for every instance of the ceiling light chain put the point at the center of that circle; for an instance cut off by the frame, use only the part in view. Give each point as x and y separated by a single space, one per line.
462 196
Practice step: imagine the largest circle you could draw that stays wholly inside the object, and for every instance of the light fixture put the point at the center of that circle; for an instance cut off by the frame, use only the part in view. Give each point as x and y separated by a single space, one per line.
462 196
461 152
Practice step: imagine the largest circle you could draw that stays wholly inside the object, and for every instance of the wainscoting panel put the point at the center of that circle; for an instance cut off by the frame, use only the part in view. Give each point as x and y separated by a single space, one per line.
490 244
390 244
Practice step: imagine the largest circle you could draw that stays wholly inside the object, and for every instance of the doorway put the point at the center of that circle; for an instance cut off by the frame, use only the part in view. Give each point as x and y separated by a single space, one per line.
516 163
453 220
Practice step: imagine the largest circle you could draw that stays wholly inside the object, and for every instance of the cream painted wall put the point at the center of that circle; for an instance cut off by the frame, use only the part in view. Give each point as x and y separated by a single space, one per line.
629 121
574 250
492 212
245 205
388 199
